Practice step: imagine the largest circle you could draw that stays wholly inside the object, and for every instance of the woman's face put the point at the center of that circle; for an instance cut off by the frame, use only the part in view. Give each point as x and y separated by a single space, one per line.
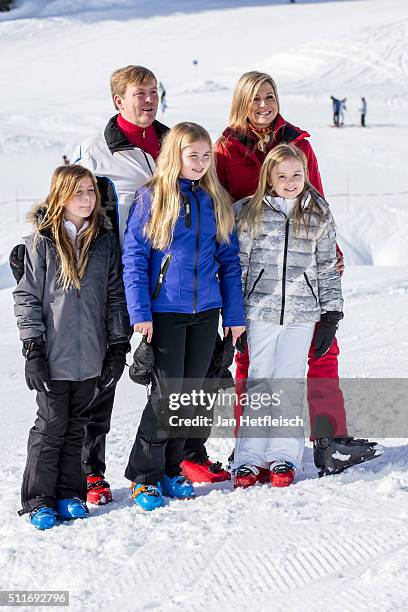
288 178
264 107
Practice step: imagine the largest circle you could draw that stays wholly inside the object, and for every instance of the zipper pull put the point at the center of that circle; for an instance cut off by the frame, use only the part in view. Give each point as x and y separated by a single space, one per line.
193 186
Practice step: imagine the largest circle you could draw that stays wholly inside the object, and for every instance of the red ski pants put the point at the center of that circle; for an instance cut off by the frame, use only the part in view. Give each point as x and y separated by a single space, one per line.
325 398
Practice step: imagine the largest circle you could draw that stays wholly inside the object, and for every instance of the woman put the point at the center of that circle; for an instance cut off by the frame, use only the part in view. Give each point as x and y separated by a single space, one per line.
255 127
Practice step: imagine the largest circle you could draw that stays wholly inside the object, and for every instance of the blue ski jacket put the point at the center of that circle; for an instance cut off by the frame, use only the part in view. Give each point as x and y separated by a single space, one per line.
195 273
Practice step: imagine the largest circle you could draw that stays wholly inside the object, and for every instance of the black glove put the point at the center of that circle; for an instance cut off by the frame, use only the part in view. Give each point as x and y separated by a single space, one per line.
326 332
113 365
16 260
37 372
241 343
140 371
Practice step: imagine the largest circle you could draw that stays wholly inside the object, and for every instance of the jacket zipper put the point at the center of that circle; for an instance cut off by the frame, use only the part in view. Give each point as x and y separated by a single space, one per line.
197 247
187 207
78 352
285 257
310 286
164 266
258 278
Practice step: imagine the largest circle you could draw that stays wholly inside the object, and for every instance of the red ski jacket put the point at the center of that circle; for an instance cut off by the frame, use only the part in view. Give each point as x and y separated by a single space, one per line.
239 163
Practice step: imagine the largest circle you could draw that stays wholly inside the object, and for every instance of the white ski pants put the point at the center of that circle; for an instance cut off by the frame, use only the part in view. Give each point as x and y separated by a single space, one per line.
277 365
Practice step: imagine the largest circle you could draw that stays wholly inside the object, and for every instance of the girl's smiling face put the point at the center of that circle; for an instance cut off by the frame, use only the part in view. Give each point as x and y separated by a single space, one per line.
288 178
195 160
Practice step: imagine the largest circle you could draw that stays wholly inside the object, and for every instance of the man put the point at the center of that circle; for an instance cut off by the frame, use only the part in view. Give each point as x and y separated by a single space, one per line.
363 111
336 110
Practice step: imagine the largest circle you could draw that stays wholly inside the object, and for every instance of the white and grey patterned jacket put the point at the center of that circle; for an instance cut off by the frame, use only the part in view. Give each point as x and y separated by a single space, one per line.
290 278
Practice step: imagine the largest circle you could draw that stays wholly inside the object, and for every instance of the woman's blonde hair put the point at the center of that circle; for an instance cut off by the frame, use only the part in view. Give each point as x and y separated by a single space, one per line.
166 192
251 213
64 186
244 94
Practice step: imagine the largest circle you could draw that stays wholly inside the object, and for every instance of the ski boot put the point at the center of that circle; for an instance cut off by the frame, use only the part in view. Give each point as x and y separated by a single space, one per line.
98 490
334 455
148 497
71 508
43 517
204 471
282 473
247 475
178 487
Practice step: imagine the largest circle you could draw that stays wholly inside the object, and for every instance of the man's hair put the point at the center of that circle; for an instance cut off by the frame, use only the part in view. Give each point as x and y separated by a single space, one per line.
136 75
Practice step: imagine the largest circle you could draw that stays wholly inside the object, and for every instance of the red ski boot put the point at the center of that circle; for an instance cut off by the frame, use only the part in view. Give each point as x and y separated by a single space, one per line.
282 473
204 471
98 490
248 475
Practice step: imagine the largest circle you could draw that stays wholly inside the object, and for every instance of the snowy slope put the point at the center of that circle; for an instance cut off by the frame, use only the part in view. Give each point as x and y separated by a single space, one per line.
340 542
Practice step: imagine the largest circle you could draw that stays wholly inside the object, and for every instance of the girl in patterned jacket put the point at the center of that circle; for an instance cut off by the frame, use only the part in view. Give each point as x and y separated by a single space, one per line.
288 254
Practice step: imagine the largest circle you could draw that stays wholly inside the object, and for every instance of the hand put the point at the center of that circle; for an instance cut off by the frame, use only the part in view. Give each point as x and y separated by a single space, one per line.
326 331
145 328
37 371
236 331
113 365
16 260
340 267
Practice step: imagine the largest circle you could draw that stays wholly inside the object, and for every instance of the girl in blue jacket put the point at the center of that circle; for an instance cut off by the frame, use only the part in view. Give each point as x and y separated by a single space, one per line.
181 266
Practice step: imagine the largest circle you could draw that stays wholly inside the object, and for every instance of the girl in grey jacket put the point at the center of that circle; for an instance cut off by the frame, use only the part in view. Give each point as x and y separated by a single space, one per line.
288 254
72 316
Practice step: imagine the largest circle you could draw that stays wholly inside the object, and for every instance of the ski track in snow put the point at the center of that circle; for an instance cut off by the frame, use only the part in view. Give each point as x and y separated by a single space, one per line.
336 543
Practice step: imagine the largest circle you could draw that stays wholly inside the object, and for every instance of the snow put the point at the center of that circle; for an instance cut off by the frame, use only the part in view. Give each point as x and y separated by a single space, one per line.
339 542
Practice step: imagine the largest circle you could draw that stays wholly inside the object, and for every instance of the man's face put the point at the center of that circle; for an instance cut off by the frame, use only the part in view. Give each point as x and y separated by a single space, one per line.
139 104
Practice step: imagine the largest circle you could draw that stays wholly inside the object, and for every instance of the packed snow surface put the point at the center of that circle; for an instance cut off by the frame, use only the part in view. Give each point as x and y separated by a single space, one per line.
334 543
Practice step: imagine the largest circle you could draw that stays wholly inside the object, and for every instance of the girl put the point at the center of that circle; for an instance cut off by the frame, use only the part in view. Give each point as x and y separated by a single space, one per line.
288 255
181 265
73 321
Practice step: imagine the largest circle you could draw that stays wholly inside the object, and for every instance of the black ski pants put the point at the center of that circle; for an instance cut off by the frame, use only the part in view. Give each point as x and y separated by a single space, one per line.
94 448
183 345
54 467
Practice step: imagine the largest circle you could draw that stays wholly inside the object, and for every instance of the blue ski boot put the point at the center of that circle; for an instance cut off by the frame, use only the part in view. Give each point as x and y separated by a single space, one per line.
71 508
148 497
43 518
178 487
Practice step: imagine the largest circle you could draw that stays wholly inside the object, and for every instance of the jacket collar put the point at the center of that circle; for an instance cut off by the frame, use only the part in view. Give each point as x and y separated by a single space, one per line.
283 132
116 141
308 196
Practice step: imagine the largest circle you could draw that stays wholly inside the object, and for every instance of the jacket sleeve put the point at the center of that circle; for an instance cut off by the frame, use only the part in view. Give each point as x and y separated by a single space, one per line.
135 258
312 165
118 325
82 156
29 292
230 282
314 174
245 247
329 280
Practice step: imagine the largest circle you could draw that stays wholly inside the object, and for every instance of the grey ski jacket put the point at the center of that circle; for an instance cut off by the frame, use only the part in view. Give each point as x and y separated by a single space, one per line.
290 278
77 326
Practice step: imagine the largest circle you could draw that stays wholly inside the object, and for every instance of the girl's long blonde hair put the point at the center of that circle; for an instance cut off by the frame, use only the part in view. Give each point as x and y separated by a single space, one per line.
244 94
251 212
64 186
166 192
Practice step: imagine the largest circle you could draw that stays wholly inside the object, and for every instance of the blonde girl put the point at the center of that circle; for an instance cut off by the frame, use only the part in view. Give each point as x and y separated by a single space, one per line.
287 243
181 266
73 323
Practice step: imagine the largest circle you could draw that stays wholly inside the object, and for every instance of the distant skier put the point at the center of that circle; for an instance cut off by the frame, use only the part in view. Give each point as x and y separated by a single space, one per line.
162 93
341 112
65 160
336 110
363 111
